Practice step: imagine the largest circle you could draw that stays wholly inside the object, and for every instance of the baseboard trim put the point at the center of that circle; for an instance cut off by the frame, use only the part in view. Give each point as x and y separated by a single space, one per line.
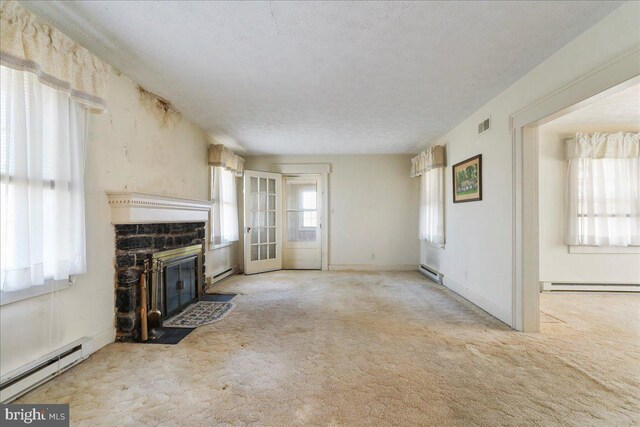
589 287
102 339
480 301
371 267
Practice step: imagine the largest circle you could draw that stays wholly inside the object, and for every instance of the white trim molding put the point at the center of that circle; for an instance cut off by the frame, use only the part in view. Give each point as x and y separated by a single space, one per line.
145 208
486 305
373 267
604 249
614 75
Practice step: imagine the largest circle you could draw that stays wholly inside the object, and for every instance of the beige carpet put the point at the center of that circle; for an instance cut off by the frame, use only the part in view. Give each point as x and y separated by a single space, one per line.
353 348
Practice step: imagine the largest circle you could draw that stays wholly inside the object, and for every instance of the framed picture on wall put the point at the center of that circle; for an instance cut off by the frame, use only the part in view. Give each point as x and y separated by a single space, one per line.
467 180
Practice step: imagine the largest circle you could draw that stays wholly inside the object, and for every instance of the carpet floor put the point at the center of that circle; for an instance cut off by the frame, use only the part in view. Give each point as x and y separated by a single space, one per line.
368 348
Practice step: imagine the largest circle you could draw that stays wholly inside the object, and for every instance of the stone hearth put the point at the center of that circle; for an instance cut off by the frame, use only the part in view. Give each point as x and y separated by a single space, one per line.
134 244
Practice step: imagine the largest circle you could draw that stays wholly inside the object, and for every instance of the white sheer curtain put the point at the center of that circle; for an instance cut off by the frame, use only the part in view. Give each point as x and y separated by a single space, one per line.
225 202
432 206
603 190
42 228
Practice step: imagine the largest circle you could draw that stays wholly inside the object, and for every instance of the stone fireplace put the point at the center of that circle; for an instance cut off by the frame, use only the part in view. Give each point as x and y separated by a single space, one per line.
167 234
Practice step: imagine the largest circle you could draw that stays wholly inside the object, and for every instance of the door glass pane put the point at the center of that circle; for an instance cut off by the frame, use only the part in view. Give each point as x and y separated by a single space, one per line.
258 219
271 219
299 230
263 184
272 251
263 251
301 195
254 252
272 202
254 184
272 235
272 186
263 235
253 202
263 202
254 235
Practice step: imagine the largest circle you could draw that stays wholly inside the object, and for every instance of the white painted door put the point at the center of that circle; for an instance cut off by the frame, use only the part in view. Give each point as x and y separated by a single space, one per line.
302 237
262 219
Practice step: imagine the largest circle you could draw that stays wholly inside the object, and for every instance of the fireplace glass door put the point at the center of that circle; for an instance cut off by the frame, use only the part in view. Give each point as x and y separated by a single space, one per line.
180 285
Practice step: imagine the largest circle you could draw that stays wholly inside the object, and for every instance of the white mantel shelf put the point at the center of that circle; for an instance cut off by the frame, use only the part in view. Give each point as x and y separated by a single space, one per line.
144 208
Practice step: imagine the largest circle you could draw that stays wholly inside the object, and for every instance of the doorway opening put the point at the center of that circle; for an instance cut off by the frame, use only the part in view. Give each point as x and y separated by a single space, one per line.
302 236
616 75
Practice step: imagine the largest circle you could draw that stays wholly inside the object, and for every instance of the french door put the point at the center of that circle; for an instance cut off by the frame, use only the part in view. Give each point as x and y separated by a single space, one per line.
302 237
262 220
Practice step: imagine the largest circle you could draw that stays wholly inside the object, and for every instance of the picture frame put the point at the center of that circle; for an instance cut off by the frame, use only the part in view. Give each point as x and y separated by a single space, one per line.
467 180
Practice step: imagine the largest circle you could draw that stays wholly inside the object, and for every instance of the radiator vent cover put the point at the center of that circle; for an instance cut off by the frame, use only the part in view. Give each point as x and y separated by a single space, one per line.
484 126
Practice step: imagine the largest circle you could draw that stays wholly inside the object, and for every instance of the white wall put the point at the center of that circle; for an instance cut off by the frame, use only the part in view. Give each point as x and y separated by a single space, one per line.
373 208
556 263
477 259
127 149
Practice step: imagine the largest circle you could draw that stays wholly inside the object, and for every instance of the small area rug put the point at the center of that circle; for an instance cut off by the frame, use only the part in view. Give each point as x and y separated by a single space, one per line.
200 313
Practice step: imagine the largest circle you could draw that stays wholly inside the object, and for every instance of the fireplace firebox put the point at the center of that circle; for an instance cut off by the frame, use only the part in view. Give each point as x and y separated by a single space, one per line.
176 281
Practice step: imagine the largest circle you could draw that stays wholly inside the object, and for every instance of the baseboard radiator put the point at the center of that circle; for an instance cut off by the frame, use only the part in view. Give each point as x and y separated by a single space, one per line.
220 275
589 287
431 273
18 382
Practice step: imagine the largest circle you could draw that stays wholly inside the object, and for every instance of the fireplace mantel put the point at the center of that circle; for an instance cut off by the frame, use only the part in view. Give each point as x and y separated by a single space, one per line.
144 208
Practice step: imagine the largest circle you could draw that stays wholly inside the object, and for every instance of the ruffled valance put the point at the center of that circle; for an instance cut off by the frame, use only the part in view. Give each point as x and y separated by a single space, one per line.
28 44
219 155
431 158
621 145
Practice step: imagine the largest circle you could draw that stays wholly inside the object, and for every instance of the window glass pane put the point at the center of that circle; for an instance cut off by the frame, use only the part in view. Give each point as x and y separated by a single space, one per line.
301 195
296 230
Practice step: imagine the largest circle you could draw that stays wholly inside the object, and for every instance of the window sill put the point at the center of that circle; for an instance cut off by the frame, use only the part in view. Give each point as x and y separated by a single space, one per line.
213 247
434 245
604 249
34 291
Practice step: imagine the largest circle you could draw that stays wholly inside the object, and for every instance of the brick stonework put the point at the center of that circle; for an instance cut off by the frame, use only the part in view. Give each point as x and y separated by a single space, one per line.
134 244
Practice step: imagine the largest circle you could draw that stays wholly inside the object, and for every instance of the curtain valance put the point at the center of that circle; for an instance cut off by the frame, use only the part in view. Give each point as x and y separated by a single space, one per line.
28 44
431 158
621 145
219 155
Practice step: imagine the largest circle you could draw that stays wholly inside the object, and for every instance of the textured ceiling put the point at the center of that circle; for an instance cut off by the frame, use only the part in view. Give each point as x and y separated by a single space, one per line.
324 77
621 109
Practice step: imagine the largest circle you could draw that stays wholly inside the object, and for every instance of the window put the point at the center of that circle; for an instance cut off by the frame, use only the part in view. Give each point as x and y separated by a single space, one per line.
309 216
224 223
603 202
432 206
42 231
